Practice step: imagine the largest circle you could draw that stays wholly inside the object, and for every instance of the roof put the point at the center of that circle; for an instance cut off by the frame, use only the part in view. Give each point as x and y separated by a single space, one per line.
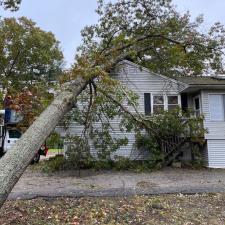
201 80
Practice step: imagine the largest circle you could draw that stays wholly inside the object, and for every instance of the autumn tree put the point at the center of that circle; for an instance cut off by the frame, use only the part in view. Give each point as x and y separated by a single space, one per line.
30 59
151 33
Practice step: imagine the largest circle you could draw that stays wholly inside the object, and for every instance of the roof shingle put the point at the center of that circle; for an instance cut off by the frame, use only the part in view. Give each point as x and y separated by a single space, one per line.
201 80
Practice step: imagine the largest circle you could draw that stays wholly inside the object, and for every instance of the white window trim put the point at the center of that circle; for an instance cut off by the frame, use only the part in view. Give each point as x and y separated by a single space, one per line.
165 99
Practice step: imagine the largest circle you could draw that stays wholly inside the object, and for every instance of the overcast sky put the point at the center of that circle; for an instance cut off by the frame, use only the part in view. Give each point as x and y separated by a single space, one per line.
65 18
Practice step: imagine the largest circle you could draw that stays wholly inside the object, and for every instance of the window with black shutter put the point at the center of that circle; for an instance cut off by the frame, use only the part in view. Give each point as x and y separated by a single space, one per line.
147 100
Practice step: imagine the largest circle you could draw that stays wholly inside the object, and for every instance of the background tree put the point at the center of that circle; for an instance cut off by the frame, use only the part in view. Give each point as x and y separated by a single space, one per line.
30 59
141 30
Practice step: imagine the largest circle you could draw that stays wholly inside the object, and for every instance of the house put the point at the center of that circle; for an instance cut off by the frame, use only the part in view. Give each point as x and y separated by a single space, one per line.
205 95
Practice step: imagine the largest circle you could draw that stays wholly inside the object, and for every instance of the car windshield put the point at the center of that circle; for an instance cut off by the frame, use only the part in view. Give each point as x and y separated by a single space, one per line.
14 134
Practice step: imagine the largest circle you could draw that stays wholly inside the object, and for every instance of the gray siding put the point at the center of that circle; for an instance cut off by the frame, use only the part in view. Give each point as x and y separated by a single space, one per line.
140 81
128 150
216 153
216 129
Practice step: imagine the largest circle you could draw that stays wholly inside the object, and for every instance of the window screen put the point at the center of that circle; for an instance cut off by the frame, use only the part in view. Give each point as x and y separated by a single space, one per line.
158 104
147 101
172 102
216 104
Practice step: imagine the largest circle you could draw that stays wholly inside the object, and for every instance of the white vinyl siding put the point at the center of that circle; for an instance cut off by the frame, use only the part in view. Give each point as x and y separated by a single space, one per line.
140 81
216 153
215 128
213 110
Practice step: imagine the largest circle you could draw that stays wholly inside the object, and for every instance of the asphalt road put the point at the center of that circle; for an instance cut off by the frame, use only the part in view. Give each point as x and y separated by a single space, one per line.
110 183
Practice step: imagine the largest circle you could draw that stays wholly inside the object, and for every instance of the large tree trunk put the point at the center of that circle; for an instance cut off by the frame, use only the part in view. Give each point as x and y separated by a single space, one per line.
14 163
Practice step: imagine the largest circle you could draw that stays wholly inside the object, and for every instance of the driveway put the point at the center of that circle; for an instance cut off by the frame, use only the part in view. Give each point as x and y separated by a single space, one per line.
109 183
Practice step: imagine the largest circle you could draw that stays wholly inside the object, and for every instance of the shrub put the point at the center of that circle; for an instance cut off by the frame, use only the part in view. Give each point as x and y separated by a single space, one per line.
77 153
167 134
51 165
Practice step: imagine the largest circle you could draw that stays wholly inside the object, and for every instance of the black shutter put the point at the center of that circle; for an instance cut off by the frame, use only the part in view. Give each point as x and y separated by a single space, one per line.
147 100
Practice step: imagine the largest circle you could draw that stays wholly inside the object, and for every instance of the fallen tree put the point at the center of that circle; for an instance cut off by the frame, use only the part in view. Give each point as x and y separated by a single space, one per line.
18 158
150 33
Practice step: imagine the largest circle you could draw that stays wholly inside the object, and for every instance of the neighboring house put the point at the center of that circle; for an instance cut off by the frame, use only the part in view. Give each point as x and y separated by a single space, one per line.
205 95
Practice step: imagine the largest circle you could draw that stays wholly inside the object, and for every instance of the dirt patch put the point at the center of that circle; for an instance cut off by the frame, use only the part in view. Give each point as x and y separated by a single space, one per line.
146 185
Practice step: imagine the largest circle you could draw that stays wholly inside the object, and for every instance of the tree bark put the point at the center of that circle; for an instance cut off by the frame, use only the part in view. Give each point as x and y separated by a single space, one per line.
15 161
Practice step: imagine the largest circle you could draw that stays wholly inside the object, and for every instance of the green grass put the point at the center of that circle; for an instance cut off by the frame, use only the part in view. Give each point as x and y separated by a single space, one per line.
55 150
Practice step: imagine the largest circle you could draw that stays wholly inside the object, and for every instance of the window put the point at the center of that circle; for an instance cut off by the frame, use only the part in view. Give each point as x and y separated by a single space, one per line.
216 105
147 101
172 102
197 110
14 134
158 104
161 102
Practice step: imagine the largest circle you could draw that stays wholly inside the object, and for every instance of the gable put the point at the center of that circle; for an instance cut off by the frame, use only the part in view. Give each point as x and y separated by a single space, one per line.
140 79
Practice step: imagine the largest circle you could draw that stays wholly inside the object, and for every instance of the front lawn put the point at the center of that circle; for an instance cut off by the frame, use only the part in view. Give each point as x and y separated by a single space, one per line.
165 210
55 150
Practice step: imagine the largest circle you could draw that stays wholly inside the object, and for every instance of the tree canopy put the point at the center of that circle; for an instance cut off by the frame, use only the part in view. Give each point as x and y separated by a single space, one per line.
153 34
30 59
